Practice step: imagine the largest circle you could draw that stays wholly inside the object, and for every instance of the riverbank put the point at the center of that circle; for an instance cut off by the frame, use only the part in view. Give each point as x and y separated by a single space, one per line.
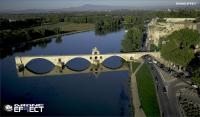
55 36
12 38
46 38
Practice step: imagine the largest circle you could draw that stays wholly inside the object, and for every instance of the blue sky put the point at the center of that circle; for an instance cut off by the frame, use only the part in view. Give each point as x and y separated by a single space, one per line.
57 4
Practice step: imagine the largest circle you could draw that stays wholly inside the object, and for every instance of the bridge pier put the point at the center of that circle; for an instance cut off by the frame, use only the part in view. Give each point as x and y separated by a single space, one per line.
60 63
20 67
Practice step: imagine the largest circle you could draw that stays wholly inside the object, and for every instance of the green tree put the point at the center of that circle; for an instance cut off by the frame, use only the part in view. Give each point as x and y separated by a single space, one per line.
129 19
107 24
179 46
132 40
196 77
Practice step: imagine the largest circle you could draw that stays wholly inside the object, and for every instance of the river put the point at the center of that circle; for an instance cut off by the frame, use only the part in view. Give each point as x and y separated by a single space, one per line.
85 94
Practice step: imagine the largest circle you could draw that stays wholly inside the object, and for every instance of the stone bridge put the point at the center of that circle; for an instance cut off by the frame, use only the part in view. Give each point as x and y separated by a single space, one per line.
94 58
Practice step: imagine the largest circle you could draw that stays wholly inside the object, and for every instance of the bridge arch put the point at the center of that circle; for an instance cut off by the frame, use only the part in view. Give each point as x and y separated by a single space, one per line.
27 61
107 57
82 59
113 62
78 57
47 67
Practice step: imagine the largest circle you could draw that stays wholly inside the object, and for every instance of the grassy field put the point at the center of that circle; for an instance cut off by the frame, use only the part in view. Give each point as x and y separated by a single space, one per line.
147 92
67 27
134 66
37 33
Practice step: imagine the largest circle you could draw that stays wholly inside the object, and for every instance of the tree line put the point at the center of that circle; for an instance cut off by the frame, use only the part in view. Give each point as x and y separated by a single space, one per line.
179 49
19 24
133 38
180 45
182 13
108 24
9 37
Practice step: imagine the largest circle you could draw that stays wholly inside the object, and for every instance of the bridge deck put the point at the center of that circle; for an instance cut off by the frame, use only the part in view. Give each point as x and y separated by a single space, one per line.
58 60
112 54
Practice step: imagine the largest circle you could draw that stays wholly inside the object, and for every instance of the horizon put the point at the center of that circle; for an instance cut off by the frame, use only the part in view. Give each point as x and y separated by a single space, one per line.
19 5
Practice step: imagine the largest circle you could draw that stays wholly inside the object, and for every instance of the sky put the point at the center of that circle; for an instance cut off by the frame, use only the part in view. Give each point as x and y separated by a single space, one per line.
59 4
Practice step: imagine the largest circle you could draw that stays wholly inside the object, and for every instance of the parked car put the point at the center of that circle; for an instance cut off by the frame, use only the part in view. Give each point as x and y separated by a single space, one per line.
164 90
162 65
195 86
154 61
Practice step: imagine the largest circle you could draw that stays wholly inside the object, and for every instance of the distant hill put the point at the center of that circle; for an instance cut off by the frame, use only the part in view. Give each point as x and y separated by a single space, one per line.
90 7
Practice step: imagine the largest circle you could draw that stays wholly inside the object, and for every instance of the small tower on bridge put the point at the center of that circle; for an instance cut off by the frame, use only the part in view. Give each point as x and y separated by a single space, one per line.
95 51
95 56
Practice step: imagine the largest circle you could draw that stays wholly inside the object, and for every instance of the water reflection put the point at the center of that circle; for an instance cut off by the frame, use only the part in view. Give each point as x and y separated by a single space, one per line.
123 101
95 69
23 47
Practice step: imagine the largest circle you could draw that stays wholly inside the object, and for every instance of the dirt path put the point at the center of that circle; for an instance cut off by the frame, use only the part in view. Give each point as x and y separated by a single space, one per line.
136 100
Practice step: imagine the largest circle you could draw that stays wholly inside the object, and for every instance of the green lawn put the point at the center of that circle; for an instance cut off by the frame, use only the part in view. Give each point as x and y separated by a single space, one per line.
67 27
134 66
147 92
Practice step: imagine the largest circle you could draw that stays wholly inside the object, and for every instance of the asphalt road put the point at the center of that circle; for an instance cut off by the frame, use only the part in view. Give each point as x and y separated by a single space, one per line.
172 89
165 107
167 97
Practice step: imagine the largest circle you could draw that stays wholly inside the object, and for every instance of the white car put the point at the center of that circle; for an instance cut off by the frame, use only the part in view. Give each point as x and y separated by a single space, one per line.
154 61
195 86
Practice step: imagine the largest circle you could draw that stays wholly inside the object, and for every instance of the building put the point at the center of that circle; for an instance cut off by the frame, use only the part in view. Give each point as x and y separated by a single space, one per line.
159 28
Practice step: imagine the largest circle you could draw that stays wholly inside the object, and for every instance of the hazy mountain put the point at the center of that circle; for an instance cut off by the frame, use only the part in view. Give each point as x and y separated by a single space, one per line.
89 7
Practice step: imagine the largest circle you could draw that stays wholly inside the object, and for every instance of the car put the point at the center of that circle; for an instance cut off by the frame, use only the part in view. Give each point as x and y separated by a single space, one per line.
181 73
156 78
162 65
195 86
175 74
154 61
164 90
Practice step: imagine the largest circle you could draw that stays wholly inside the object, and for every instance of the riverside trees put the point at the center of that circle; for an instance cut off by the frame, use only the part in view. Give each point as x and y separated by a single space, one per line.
179 46
108 24
132 40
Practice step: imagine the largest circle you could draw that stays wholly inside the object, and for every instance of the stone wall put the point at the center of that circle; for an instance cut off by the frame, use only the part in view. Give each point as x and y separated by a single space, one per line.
157 30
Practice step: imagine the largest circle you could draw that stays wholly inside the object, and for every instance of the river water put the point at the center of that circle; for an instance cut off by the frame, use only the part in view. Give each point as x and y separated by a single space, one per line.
85 94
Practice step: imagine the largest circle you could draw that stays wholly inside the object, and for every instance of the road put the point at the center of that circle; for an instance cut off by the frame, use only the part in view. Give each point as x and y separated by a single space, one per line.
165 108
172 90
167 97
